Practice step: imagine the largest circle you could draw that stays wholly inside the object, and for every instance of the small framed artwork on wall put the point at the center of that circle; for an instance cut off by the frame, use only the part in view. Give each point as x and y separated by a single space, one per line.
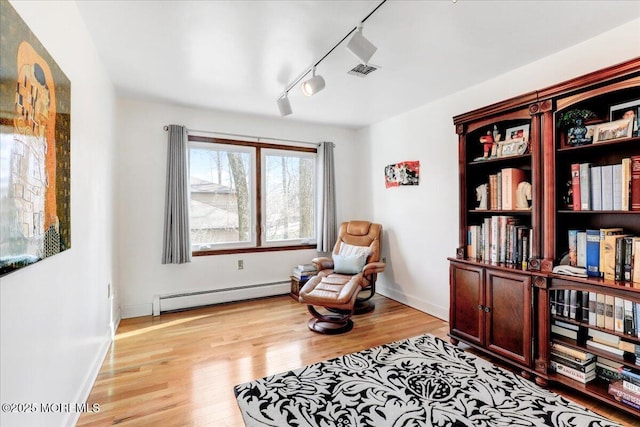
402 173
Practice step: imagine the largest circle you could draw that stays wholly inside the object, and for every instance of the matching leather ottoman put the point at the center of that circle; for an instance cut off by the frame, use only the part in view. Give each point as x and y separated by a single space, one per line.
335 292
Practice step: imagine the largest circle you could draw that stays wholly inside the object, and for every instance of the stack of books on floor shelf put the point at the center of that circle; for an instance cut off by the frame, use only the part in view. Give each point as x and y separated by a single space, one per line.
627 389
304 272
596 336
575 364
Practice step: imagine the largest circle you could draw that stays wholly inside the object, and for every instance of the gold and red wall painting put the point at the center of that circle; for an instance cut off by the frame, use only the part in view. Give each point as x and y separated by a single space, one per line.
35 130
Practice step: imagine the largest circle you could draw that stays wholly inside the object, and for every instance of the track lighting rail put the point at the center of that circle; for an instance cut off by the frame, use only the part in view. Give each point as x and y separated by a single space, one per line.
314 65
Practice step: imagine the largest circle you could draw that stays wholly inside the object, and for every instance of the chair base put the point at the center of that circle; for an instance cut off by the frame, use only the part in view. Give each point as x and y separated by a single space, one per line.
330 324
330 328
363 307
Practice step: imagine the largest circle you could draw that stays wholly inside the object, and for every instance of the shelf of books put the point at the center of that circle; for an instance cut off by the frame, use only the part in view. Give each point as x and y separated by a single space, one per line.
499 200
500 239
595 343
605 196
499 188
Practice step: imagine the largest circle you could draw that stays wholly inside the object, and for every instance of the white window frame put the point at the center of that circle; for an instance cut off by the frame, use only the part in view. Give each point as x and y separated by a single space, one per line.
252 242
264 152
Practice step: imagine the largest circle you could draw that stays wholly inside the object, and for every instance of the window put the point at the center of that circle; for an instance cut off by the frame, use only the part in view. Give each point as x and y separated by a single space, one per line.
288 180
222 188
238 188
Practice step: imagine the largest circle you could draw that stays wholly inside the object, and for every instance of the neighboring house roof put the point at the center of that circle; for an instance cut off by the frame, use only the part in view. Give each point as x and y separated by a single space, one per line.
211 206
198 185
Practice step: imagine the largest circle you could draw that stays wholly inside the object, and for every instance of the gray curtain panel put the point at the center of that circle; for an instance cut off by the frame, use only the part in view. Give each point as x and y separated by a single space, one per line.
327 226
177 239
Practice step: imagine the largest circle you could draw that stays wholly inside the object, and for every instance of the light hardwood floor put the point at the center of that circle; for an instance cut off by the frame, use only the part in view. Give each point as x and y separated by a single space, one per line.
179 369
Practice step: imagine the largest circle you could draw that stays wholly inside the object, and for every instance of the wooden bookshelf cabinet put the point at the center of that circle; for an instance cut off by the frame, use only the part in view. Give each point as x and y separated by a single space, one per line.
491 304
502 308
493 310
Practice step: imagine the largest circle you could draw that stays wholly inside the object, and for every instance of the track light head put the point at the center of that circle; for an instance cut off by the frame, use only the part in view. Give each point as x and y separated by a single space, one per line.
284 105
314 85
362 48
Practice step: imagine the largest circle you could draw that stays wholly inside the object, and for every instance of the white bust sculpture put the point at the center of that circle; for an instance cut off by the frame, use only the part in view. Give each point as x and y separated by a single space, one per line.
481 196
523 195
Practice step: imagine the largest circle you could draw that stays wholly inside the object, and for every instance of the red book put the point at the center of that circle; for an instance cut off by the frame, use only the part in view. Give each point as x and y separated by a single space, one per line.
575 185
635 183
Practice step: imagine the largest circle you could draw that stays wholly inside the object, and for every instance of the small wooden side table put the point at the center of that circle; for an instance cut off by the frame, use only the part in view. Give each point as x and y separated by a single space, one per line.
296 284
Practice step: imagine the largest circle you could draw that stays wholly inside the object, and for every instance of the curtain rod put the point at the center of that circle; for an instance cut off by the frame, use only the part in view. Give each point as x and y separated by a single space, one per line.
250 136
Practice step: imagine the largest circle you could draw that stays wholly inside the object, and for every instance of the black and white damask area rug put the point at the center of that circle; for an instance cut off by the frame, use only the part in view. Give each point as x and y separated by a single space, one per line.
421 381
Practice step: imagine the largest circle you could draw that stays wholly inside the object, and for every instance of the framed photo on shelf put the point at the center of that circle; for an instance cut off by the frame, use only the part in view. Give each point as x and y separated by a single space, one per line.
518 133
510 148
627 110
610 131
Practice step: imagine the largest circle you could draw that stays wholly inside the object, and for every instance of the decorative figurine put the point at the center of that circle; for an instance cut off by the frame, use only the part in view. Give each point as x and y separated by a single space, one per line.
496 139
577 134
496 134
481 196
571 124
523 195
487 142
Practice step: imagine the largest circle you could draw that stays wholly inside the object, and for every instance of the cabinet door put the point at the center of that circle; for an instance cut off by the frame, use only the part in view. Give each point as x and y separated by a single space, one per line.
508 315
466 315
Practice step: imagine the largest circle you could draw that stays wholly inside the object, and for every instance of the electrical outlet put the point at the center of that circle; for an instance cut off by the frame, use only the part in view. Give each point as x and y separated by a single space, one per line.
240 264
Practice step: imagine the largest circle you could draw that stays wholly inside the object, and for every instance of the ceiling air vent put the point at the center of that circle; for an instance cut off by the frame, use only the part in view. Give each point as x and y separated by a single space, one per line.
362 70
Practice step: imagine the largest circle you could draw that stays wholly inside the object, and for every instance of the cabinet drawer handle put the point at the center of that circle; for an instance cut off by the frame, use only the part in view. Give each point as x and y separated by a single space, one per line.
487 309
480 307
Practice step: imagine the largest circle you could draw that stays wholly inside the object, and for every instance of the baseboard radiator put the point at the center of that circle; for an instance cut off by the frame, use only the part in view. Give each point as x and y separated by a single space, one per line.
186 300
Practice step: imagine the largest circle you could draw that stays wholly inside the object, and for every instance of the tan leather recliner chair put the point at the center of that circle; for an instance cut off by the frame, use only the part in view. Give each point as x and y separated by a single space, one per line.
352 269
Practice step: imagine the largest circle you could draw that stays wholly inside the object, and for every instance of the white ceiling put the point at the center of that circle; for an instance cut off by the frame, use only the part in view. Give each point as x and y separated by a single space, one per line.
240 55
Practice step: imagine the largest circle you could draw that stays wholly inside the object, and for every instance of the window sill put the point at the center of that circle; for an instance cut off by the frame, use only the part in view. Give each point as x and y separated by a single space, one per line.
250 250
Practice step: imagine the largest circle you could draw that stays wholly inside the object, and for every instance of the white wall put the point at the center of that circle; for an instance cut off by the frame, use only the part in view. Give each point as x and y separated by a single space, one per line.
55 315
421 223
141 173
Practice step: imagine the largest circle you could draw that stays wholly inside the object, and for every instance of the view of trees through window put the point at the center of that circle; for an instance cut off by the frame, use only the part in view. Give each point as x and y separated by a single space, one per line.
220 209
225 202
289 196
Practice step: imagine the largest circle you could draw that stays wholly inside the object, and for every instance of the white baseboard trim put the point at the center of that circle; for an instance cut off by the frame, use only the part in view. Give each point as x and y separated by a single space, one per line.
201 298
412 301
90 379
